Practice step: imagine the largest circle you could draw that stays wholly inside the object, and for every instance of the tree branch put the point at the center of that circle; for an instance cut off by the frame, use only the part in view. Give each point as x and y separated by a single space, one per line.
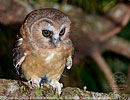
119 45
122 13
106 70
12 89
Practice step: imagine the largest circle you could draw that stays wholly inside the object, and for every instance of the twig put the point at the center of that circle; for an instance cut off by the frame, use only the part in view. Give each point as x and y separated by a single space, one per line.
106 70
119 26
119 45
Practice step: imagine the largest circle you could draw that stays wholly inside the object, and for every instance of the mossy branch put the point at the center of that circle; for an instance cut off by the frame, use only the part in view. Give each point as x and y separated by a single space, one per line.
14 89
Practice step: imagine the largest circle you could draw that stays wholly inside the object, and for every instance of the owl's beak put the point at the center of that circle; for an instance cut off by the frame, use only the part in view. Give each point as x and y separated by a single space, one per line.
55 41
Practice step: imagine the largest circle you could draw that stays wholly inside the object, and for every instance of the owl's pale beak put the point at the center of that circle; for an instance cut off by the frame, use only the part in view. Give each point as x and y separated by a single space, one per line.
55 41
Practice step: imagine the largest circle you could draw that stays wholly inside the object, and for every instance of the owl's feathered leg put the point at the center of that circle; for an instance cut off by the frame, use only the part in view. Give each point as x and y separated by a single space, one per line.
69 62
35 82
57 86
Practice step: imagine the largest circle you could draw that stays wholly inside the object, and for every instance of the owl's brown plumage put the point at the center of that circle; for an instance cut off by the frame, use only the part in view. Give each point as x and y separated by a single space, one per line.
45 48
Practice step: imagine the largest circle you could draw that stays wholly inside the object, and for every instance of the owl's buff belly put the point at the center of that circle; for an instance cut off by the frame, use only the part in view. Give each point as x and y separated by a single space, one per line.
50 64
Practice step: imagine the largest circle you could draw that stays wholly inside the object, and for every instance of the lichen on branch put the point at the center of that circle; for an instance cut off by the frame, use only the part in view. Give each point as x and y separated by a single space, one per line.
15 89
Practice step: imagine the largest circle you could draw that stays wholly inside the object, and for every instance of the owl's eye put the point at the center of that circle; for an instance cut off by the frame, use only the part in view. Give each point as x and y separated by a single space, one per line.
62 32
46 33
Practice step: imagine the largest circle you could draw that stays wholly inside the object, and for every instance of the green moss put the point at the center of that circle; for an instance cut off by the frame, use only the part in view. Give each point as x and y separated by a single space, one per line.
52 96
38 92
115 96
47 85
22 90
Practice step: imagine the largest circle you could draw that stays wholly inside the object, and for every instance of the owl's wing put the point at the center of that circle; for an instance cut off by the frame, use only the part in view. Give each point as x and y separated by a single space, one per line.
19 55
69 59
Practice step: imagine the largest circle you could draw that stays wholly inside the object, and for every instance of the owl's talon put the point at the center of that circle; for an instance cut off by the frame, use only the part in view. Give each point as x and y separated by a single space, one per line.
35 82
57 86
61 85
30 83
54 90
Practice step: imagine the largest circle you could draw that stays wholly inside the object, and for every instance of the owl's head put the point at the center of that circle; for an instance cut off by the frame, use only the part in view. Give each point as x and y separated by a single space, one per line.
47 27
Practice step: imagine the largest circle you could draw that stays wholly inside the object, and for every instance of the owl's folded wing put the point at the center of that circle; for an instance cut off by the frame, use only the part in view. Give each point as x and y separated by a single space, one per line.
19 55
69 59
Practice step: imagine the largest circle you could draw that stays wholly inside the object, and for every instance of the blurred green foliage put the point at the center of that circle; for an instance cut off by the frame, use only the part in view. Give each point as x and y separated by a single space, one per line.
89 6
117 62
125 33
94 6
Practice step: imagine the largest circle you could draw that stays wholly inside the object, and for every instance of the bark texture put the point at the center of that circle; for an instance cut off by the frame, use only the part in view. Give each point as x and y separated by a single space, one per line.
14 89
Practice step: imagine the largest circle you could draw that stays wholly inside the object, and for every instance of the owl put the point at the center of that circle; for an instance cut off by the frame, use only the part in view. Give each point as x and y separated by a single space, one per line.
44 49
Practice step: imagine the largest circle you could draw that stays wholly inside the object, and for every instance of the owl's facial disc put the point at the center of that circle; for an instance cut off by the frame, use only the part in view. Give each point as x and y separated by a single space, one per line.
52 35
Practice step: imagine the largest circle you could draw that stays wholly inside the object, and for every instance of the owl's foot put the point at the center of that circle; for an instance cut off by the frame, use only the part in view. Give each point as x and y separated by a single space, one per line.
35 82
69 62
38 82
57 86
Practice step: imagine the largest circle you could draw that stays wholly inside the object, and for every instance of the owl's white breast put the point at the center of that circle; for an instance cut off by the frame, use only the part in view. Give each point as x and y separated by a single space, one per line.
53 56
50 56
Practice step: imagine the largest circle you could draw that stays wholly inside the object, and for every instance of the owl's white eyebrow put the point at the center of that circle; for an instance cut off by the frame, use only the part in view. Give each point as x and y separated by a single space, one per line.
49 27
62 26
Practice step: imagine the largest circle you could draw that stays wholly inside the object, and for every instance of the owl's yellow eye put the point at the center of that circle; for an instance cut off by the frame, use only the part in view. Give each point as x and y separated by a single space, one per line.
62 32
46 33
